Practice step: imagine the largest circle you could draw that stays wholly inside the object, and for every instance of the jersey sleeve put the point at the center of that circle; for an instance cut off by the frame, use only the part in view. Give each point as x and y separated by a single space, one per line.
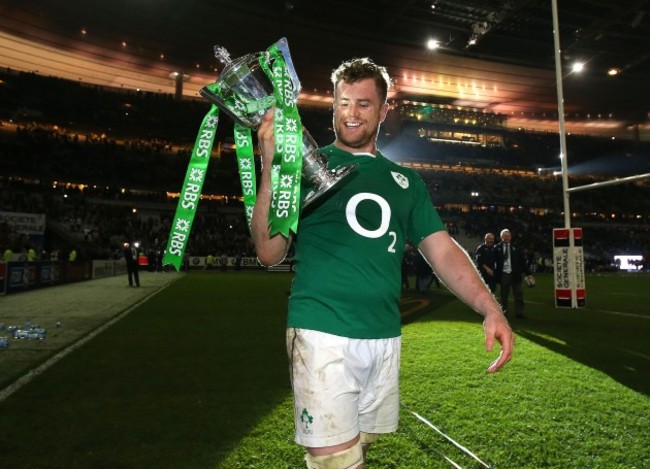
425 219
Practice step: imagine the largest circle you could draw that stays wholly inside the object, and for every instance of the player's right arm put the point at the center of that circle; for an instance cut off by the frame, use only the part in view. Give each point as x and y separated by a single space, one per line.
455 269
270 250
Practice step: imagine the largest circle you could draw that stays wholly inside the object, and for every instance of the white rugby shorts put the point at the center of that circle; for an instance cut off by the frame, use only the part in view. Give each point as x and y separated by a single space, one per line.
342 386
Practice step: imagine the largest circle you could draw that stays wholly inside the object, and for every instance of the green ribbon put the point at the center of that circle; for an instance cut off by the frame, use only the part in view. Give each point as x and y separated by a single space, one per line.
286 166
287 159
191 193
246 165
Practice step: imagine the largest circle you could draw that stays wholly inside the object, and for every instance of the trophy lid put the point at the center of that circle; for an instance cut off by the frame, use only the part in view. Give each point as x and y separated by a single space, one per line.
222 55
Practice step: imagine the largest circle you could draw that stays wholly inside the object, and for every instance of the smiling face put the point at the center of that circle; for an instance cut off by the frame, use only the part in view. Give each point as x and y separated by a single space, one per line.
358 112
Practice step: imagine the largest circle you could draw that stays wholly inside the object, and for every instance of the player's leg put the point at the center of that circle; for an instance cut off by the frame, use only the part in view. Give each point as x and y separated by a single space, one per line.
379 398
325 400
348 455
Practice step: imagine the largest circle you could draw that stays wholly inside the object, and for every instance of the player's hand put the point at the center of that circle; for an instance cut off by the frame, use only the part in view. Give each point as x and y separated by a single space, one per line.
496 327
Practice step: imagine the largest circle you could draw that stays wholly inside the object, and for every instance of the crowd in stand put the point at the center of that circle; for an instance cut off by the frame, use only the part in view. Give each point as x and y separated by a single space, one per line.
101 165
32 151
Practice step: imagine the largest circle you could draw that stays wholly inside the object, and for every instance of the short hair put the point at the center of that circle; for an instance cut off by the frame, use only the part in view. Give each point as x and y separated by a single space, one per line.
505 230
359 69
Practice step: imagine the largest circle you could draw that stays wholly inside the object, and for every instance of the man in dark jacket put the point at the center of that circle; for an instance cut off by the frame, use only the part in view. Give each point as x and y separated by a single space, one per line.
130 253
511 267
486 261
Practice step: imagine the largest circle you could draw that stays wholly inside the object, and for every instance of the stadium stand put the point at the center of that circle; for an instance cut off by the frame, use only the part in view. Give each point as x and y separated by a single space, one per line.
105 166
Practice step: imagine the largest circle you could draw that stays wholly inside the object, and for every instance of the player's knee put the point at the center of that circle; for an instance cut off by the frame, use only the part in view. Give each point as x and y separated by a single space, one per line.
349 458
368 438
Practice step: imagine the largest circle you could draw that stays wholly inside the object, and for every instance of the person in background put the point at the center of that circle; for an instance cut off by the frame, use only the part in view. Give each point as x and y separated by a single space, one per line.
31 254
209 262
8 255
511 267
486 261
151 260
343 332
130 253
424 275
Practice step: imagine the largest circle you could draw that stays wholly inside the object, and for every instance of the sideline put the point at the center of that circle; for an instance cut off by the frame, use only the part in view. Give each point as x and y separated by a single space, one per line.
49 362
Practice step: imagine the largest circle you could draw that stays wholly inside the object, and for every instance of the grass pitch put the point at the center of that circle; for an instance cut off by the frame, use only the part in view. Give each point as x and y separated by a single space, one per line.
197 378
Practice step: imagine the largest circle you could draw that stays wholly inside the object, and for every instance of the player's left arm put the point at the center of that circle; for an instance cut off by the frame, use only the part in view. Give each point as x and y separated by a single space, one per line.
459 274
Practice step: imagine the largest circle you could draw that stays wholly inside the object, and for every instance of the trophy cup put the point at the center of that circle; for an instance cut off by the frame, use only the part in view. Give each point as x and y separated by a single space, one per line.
247 94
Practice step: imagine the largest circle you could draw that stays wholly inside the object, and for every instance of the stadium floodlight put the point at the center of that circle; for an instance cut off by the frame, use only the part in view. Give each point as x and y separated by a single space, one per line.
578 67
433 44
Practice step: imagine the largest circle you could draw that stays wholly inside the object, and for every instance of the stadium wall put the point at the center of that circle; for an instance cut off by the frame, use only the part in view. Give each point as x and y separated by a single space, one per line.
21 276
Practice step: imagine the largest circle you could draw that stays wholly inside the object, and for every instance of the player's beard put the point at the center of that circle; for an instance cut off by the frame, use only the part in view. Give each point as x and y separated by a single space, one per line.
362 138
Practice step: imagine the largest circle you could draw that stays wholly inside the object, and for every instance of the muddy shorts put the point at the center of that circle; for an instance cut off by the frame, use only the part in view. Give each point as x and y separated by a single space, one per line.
342 386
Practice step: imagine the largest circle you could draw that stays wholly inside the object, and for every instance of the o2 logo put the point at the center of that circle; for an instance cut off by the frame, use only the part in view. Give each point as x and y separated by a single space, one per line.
351 216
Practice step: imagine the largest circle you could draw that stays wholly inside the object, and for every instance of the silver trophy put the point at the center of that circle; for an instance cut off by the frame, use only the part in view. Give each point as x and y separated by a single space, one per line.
244 82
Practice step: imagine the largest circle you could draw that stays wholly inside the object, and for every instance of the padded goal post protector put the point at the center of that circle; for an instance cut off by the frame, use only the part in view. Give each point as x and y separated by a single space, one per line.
569 268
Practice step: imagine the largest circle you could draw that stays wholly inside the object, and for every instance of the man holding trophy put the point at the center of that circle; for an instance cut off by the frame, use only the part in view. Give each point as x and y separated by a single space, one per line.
356 211
343 331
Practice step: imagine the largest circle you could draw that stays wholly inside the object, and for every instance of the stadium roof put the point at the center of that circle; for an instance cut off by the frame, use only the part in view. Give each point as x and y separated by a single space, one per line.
496 55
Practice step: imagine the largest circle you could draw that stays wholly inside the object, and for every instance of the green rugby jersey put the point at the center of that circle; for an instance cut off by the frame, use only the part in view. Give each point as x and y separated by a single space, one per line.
349 248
